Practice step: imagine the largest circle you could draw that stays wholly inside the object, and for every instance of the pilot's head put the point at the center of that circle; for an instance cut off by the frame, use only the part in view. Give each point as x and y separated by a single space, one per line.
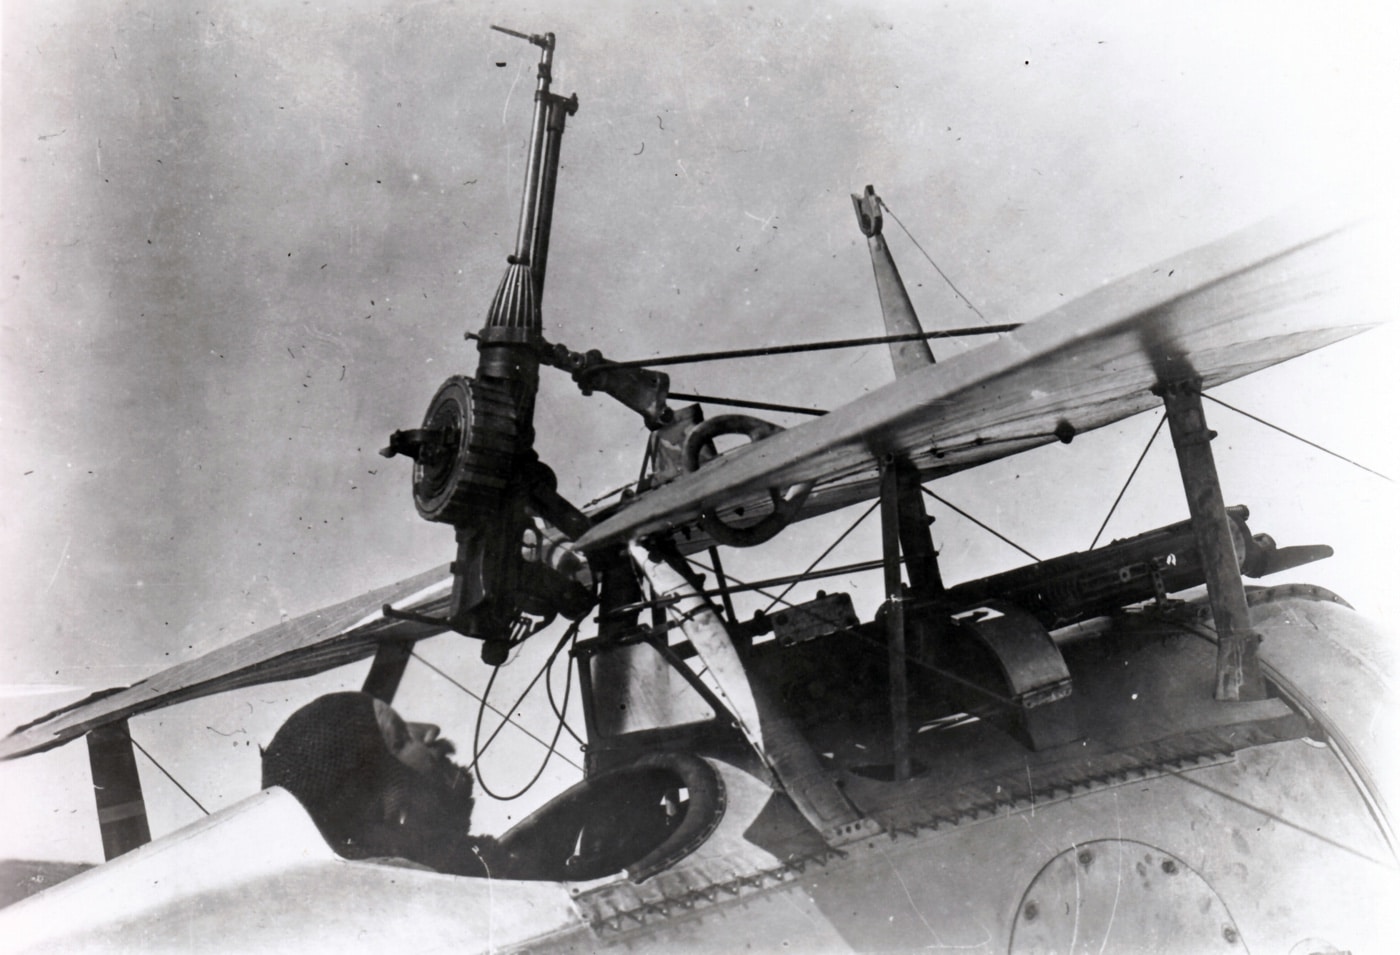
375 785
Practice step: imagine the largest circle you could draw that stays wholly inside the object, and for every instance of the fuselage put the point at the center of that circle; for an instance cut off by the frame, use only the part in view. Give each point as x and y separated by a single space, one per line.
1171 823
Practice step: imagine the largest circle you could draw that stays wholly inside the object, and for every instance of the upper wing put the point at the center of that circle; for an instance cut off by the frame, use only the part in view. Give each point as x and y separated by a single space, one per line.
1262 296
1272 292
303 646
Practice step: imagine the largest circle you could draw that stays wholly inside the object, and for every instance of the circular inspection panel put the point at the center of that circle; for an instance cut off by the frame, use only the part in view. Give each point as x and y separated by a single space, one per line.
1116 895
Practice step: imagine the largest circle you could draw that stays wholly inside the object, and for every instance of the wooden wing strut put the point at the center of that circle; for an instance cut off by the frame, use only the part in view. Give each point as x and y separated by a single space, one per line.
1237 673
121 807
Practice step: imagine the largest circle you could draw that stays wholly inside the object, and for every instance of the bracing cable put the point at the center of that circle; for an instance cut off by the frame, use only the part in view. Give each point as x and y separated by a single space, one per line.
1311 444
941 273
823 555
990 530
755 405
505 716
741 584
1124 489
478 749
767 351
166 772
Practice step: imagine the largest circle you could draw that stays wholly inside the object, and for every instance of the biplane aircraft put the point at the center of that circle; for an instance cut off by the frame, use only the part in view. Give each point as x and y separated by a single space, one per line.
1125 748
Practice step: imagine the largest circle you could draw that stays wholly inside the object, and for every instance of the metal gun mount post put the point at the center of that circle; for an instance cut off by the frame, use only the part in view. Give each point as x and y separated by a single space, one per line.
1237 673
475 465
542 172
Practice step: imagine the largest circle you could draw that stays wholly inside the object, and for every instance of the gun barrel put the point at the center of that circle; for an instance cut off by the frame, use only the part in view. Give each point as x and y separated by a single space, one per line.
1166 560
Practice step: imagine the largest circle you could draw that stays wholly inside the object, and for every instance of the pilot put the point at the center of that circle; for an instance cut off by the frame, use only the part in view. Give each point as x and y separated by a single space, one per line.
376 786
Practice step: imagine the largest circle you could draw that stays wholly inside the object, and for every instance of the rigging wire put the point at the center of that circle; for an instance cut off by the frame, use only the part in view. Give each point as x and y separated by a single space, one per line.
823 555
770 350
990 530
478 749
736 584
1124 489
482 701
1311 444
943 274
757 405
166 772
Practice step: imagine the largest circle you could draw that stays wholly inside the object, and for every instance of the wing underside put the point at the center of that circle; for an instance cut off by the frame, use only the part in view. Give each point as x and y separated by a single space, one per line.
306 645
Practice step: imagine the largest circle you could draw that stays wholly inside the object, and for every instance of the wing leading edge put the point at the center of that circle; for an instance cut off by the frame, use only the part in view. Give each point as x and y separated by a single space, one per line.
1272 292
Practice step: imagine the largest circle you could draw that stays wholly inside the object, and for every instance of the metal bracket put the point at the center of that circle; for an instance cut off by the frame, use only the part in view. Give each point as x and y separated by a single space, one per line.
900 317
868 215
641 389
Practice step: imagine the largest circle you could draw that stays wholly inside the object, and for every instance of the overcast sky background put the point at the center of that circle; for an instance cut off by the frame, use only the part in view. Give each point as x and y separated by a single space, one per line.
242 242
